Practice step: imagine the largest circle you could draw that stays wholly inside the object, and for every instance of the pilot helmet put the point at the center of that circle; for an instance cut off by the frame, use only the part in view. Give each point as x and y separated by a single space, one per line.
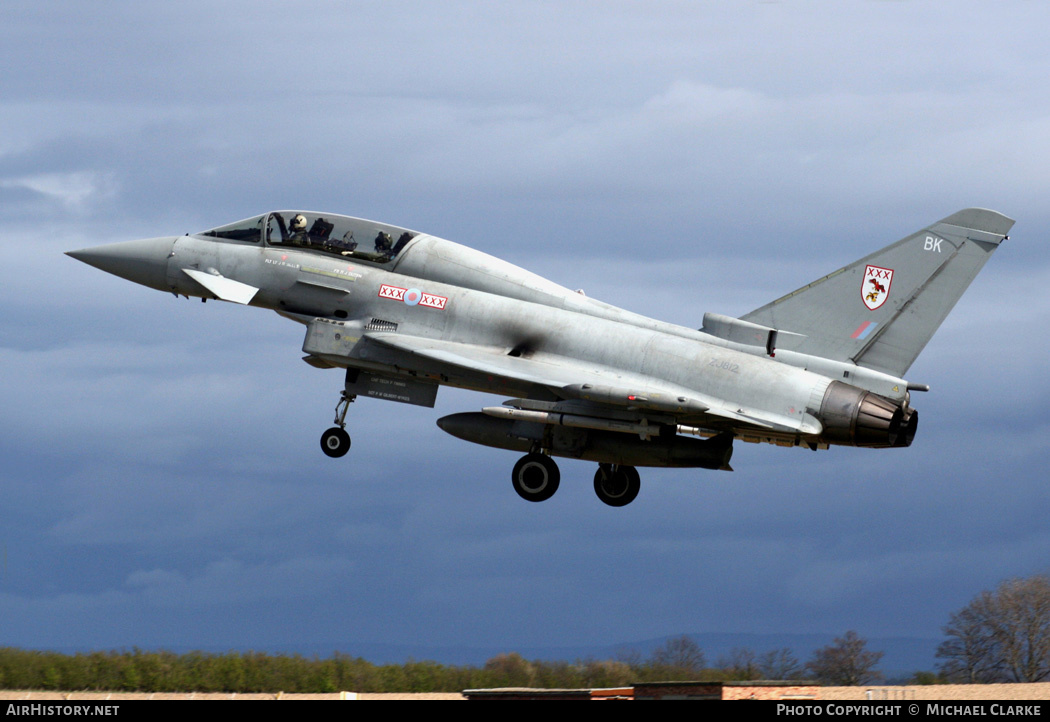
299 223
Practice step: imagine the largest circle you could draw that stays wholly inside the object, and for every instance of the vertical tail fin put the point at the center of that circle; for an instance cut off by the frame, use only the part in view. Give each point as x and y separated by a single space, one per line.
881 311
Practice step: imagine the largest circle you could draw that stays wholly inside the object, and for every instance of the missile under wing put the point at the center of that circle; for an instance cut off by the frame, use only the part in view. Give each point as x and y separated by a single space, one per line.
403 313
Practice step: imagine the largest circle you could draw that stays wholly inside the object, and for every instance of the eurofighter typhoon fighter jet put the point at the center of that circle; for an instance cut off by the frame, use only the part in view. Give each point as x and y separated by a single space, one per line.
405 313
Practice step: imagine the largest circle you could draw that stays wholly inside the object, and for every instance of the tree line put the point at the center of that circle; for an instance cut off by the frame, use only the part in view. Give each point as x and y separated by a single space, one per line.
680 658
1002 635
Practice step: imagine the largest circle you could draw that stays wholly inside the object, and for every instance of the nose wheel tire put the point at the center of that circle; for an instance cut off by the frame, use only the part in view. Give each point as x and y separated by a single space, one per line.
616 485
335 442
535 477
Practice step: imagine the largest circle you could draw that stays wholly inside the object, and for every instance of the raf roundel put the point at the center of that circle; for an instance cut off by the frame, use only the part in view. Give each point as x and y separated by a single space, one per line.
412 296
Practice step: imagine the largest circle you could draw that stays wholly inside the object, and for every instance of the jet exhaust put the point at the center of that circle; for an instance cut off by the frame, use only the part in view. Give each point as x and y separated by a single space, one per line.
855 417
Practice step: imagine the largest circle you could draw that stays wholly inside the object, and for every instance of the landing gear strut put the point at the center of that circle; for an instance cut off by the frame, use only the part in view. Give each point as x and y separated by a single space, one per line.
616 485
535 477
336 442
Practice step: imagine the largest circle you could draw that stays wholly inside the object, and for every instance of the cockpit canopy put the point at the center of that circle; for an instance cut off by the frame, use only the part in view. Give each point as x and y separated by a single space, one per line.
323 232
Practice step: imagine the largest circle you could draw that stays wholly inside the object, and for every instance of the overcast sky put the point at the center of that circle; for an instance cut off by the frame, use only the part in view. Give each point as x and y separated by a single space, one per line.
161 482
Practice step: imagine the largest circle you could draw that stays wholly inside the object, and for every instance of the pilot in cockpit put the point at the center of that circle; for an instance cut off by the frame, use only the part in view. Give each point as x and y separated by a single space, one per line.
384 244
299 235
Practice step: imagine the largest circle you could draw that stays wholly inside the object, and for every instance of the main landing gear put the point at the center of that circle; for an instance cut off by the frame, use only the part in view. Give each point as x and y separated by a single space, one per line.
536 478
616 485
336 442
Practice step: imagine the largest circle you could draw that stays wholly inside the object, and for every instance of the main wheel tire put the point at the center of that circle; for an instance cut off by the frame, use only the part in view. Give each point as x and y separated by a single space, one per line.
535 477
617 486
335 442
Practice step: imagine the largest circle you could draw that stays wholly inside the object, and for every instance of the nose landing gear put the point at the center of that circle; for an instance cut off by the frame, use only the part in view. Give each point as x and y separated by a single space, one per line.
336 442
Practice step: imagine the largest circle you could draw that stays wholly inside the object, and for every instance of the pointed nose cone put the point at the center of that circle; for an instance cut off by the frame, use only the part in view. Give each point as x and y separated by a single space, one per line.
144 261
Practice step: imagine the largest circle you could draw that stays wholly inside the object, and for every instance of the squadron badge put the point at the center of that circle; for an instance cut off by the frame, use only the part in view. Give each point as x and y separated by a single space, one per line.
875 288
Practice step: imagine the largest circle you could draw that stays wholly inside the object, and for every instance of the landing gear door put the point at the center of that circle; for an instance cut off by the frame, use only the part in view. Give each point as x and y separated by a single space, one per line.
391 388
